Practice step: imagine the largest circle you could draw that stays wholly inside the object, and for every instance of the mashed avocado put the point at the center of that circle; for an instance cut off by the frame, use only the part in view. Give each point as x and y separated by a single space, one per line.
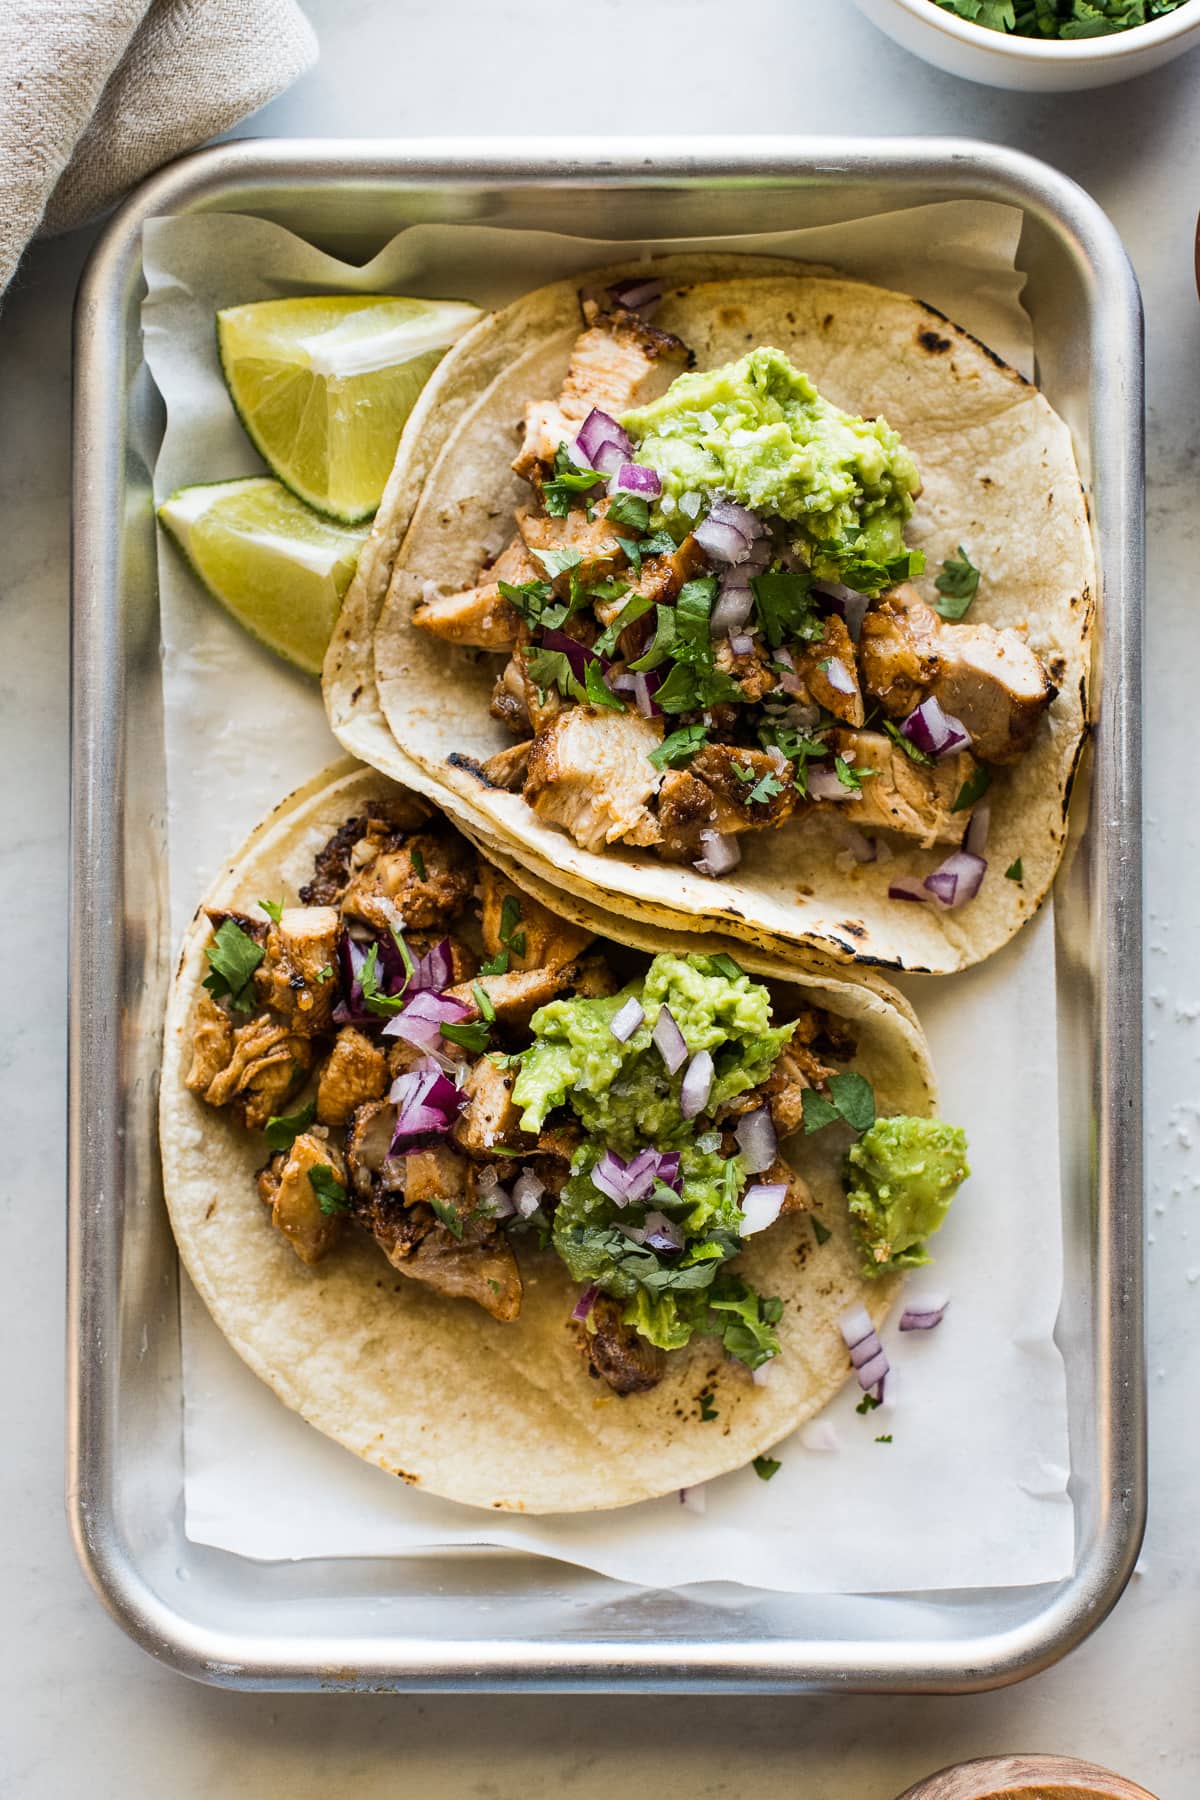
758 431
625 1100
901 1176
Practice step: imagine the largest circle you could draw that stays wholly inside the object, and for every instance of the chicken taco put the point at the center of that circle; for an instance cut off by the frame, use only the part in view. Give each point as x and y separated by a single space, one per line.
758 600
522 1214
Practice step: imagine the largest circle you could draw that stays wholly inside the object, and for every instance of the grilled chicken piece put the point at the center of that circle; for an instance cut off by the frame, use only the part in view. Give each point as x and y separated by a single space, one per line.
368 1146
468 1259
481 617
600 555
751 670
592 774
266 1064
295 1207
660 579
618 1354
799 1195
831 660
711 795
914 799
617 363
489 1117
356 1072
423 884
297 976
794 1071
546 939
991 680
518 702
357 841
516 996
507 768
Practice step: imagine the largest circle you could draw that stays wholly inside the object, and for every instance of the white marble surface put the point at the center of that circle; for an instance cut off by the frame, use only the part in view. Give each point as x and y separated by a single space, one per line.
85 1712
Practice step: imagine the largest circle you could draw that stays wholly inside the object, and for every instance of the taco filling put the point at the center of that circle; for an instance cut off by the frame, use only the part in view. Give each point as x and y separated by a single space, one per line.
708 624
441 1063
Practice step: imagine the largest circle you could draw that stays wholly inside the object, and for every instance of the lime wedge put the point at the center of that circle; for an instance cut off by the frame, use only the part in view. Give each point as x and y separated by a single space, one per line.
324 384
278 568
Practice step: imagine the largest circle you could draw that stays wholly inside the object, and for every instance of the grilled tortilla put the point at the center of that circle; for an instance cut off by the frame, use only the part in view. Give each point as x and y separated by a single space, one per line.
499 1411
998 474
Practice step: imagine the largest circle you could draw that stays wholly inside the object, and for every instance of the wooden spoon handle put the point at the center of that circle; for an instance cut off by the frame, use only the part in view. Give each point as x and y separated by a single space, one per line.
1026 1778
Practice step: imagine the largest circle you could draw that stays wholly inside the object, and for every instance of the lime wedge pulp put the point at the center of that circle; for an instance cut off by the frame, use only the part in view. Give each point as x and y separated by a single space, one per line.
278 568
324 384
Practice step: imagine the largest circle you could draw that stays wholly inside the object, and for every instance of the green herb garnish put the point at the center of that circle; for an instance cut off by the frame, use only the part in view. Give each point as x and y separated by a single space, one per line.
1014 871
330 1192
283 1130
821 1232
786 608
631 510
973 788
679 747
495 965
557 562
707 1410
1066 19
884 1438
450 1216
483 1001
957 584
851 1098
906 744
472 1036
634 608
766 1466
233 957
569 478
418 863
868 1403
273 910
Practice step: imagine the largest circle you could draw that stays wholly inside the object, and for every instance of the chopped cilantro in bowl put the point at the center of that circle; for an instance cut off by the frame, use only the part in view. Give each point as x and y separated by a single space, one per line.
1062 19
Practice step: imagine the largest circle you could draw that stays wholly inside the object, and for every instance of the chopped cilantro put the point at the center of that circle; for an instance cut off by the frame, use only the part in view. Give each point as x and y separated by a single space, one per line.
884 1437
450 1216
325 973
868 1403
418 863
660 645
765 789
532 600
569 478
973 788
821 1232
693 608
273 910
766 1466
596 689
786 608
552 669
233 957
483 1001
957 584
906 744
848 775
557 562
799 749
690 690
1066 19
746 775
747 1320
495 965
473 1036
708 1411
510 917
283 1130
634 608
1014 871
867 576
851 1098
631 510
679 747
725 965
375 1000
330 1192
493 1284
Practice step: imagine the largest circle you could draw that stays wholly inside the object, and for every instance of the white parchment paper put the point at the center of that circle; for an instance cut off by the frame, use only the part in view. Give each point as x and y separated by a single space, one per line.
971 1488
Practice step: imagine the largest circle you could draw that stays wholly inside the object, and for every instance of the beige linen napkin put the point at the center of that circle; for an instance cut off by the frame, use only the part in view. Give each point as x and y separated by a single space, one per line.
95 93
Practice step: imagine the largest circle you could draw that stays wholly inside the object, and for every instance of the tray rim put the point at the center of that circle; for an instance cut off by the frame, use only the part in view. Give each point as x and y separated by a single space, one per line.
960 1664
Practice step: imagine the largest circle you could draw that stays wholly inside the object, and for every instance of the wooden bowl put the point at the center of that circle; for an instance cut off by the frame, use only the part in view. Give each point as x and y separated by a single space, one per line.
1026 1778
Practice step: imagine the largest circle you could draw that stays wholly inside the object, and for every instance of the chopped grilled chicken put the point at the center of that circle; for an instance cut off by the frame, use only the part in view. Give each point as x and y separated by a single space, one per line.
212 1045
356 1071
481 617
592 978
297 976
423 884
368 1145
751 669
595 541
468 1258
711 795
618 1354
617 363
507 768
828 667
558 1144
489 1117
266 1064
357 841
991 680
518 702
660 579
915 799
516 996
799 1195
542 937
794 1071
593 775
295 1207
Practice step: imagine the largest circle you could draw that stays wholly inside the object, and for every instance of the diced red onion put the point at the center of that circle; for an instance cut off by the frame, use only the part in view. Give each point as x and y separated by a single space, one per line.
839 677
643 686
351 957
755 1133
433 971
669 1041
668 1170
908 887
848 603
761 1377
823 783
958 879
721 853
662 1233
527 1191
728 512
636 294
733 608
633 478
626 1020
924 1313
976 835
428 1104
599 430
778 760
761 1206
421 1021
866 1352
694 1499
721 542
696 1085
585 1303
625 1182
500 1203
741 643
933 731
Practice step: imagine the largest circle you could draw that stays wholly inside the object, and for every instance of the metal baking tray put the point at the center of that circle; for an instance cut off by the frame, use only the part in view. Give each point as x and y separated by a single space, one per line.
491 1619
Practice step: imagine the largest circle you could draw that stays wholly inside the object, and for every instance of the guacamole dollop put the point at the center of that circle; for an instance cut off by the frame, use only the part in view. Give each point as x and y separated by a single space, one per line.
901 1176
758 431
625 1099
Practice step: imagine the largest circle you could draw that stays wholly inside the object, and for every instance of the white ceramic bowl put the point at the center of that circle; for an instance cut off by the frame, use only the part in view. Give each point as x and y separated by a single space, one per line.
1038 65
